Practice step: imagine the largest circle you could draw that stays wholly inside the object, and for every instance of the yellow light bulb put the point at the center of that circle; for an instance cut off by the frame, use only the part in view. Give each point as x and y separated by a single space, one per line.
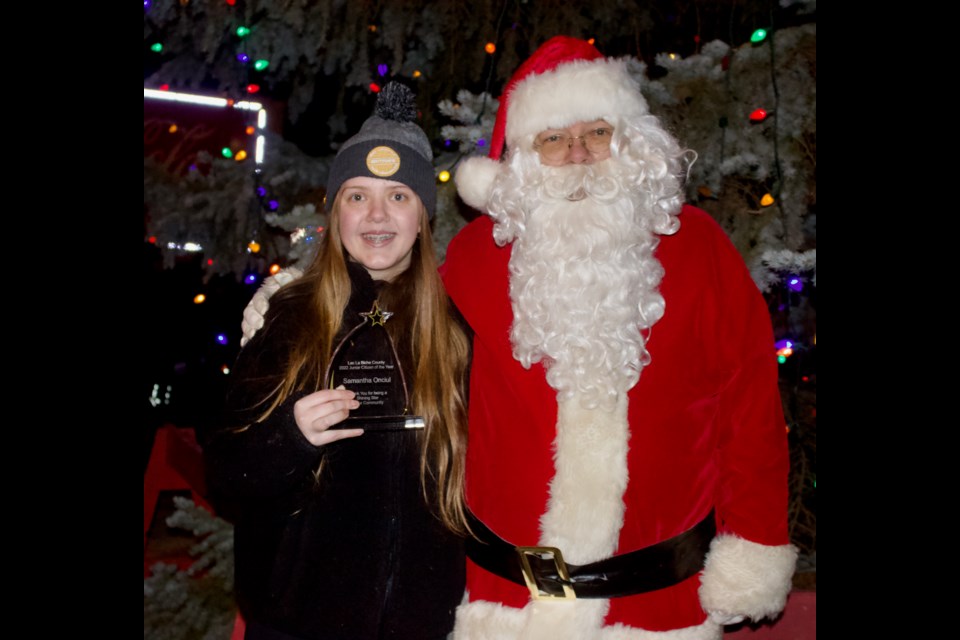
254 247
199 298
241 155
417 74
444 176
173 128
274 268
766 200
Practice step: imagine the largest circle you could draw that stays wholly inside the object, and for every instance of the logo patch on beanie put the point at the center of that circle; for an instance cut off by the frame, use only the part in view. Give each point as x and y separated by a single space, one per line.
383 161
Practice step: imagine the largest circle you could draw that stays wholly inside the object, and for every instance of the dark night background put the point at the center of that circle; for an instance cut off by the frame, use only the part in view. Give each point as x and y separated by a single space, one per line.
323 55
185 358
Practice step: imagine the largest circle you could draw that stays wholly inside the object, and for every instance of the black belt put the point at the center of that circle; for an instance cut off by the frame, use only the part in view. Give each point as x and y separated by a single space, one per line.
543 571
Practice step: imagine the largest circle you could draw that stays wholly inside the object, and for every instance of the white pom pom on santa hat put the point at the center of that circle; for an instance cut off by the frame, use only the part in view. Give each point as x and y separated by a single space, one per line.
474 179
566 80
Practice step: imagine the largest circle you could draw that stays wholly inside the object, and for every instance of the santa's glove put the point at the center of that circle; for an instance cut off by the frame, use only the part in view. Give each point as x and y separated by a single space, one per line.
256 309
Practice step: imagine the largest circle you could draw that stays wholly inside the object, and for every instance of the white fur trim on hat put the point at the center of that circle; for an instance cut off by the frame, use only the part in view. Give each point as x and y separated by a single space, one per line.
579 91
745 578
474 179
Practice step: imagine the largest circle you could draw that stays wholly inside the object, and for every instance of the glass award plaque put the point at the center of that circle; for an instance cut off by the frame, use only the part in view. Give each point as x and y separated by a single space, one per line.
365 361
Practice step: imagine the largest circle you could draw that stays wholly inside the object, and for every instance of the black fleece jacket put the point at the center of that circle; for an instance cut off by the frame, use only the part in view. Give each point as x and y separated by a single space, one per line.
356 555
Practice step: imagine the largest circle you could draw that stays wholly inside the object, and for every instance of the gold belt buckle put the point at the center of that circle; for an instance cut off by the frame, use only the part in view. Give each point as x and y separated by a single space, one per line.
545 553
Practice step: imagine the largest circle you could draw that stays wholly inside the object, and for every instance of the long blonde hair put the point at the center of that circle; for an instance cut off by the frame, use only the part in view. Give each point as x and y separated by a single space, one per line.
437 343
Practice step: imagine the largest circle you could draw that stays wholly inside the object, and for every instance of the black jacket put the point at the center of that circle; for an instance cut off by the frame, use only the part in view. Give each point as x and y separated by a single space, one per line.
356 555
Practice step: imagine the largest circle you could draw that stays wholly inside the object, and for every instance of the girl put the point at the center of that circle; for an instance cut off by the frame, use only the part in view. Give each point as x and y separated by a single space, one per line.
353 533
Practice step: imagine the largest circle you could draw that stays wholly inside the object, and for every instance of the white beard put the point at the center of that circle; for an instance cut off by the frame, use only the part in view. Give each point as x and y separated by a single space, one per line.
583 277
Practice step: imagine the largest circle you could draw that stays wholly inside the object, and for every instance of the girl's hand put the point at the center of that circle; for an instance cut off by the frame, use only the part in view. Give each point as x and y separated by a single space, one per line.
317 412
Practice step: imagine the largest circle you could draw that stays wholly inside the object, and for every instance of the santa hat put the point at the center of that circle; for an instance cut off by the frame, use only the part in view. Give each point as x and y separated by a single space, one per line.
565 81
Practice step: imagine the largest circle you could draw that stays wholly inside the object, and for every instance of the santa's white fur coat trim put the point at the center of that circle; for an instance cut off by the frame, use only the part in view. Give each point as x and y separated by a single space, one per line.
746 578
583 519
489 621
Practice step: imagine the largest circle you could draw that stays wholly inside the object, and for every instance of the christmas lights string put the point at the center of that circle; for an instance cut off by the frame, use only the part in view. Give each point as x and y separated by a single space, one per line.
264 201
776 119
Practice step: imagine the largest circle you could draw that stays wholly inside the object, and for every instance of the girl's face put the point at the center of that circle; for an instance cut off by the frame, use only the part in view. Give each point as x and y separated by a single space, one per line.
379 222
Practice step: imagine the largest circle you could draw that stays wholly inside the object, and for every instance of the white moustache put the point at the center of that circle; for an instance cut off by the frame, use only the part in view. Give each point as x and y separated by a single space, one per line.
575 182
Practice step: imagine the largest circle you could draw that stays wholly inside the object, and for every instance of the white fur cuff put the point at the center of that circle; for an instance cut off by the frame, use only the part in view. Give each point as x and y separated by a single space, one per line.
256 309
746 578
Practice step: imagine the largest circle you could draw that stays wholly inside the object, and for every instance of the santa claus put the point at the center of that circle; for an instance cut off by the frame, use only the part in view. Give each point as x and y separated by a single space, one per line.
627 459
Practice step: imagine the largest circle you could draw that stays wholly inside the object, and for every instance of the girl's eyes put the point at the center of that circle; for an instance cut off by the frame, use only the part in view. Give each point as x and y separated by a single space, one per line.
397 196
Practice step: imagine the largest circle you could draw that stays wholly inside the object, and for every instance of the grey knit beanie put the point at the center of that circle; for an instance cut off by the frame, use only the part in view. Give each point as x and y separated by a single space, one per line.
390 146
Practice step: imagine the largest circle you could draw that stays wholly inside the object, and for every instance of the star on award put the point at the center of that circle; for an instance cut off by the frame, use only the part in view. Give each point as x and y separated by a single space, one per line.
376 315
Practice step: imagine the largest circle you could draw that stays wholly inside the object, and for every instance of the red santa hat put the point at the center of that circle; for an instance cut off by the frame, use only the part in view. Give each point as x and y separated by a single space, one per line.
566 80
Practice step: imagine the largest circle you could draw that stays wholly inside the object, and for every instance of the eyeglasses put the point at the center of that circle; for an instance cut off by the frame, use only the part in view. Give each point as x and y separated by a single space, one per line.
554 147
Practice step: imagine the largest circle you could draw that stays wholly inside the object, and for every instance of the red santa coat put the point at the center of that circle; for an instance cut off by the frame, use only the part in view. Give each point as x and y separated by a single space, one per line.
705 423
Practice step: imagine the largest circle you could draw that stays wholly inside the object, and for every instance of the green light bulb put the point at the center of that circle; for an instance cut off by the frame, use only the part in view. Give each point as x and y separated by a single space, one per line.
260 65
156 47
243 31
758 36
227 153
